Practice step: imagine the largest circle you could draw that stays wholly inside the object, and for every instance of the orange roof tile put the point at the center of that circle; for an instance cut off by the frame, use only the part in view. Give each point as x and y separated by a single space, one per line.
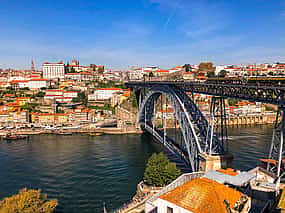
110 89
228 171
85 73
38 79
126 94
203 195
8 95
22 98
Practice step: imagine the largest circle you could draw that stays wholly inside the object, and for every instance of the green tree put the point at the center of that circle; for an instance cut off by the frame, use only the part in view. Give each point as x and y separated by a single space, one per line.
150 75
160 171
187 67
81 98
72 70
28 201
31 107
75 100
222 73
100 70
66 68
40 94
211 74
233 101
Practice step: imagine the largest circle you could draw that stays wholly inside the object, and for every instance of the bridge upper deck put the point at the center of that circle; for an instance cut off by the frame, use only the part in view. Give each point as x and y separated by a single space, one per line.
267 94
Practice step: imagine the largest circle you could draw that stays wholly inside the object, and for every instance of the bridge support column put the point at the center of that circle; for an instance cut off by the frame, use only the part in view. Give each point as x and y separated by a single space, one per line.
215 162
218 120
276 148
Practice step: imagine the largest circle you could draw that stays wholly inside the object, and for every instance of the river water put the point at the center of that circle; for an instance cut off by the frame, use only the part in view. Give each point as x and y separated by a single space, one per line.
83 172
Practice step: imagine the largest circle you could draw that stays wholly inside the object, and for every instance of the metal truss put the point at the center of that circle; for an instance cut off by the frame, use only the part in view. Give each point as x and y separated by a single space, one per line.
218 122
265 94
276 149
192 123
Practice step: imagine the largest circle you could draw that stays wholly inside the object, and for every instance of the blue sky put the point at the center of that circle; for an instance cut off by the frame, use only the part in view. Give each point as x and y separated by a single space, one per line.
120 33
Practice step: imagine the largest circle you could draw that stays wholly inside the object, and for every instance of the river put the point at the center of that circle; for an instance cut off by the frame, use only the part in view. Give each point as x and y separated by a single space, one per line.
83 172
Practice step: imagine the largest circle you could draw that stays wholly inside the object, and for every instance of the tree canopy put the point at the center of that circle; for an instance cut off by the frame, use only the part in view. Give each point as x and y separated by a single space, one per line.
222 73
187 67
81 98
160 171
28 201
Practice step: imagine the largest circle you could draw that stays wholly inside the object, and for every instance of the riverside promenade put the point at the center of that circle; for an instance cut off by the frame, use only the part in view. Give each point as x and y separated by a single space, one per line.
256 119
38 131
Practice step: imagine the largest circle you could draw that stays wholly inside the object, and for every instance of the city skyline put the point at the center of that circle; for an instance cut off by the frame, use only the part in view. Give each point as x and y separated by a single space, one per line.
146 32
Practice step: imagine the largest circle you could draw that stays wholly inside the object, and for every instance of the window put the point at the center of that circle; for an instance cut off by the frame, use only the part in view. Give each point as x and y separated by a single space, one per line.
169 210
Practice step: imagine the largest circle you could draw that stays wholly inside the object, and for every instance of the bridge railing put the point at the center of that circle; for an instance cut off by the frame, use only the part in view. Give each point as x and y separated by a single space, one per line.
267 94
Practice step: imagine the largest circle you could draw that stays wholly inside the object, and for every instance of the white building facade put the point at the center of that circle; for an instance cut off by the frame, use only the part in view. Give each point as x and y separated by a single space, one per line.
38 83
53 70
106 93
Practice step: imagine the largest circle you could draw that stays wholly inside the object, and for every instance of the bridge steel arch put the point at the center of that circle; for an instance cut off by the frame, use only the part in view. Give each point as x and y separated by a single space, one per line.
194 126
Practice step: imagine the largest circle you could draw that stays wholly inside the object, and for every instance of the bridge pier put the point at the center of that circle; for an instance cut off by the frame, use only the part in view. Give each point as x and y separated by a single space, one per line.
215 162
218 121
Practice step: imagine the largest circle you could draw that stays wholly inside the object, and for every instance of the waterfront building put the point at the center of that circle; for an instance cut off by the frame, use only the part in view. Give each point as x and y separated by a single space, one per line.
49 118
53 70
12 118
105 93
80 115
60 95
119 97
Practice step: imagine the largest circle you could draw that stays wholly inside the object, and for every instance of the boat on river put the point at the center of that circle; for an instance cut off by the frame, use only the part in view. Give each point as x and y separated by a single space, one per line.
63 133
95 133
10 137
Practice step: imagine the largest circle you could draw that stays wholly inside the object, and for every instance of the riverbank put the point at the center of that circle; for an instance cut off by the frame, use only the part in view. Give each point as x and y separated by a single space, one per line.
109 131
232 121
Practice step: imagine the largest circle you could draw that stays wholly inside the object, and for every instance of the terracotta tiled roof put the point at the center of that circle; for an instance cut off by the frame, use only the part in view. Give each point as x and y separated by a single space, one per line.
8 95
126 94
110 89
228 171
203 195
38 79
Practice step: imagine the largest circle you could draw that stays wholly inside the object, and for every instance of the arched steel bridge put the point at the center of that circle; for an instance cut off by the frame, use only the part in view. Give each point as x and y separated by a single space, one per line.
197 131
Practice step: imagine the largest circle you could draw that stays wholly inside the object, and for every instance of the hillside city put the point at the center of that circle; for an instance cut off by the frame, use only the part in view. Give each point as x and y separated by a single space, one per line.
64 95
